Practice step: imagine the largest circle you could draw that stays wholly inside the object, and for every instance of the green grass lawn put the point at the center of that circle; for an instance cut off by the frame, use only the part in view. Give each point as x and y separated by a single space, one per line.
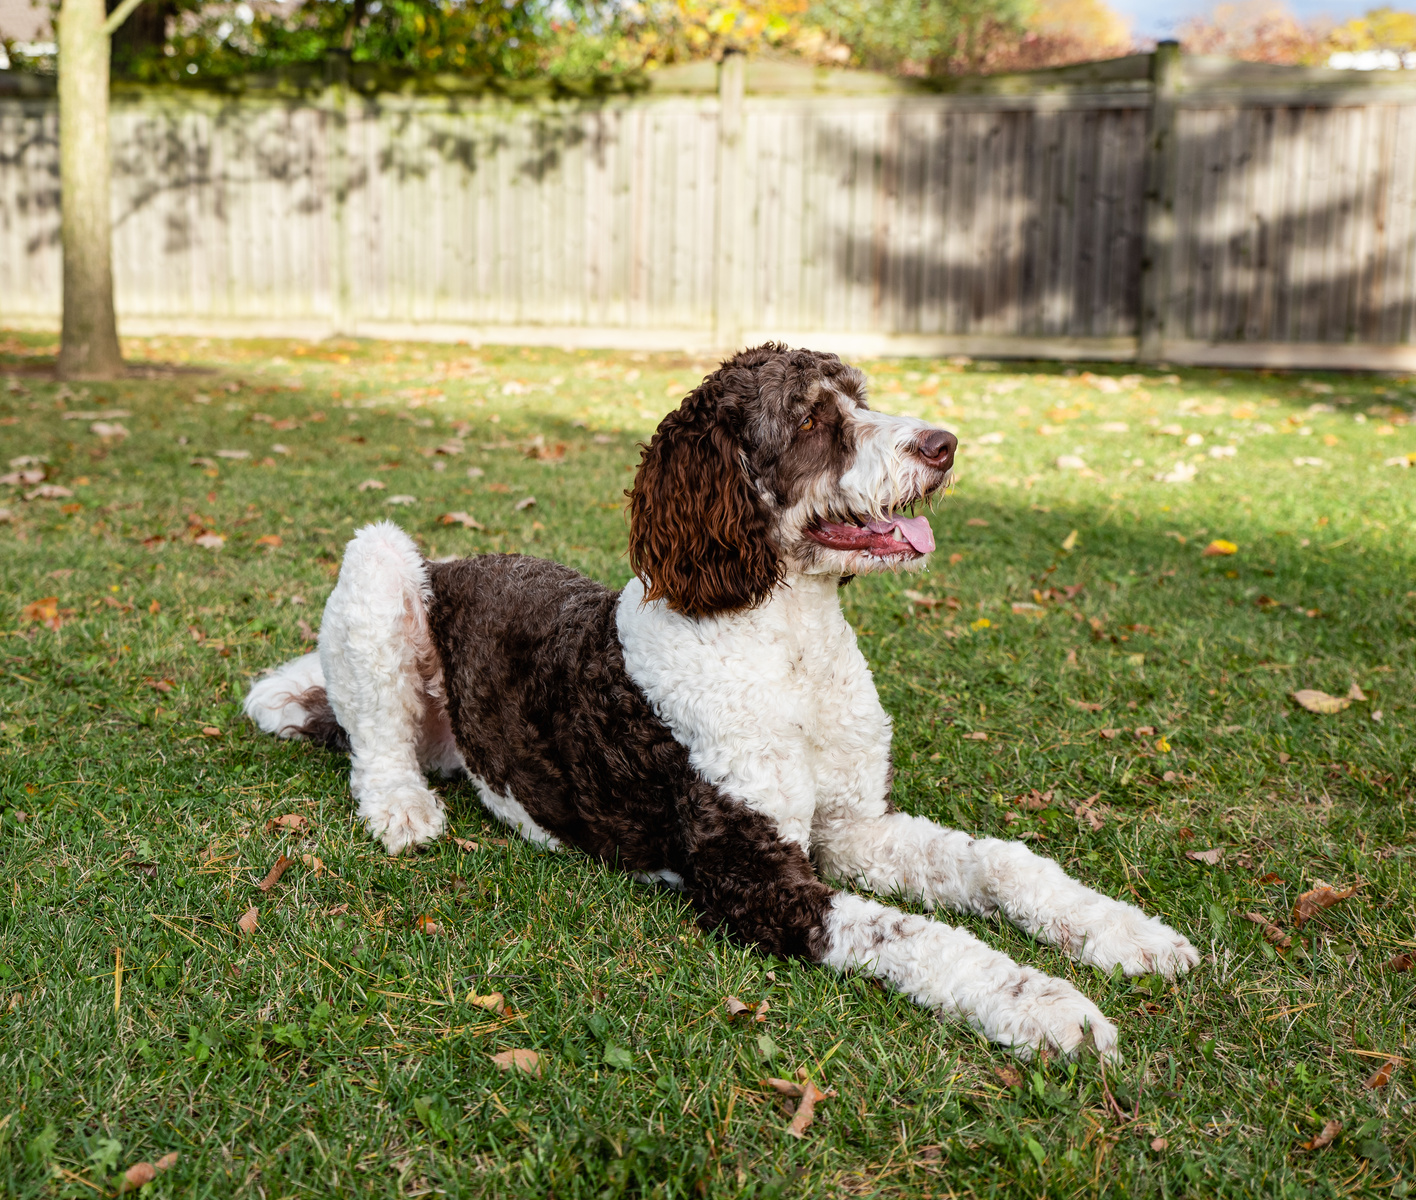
1135 694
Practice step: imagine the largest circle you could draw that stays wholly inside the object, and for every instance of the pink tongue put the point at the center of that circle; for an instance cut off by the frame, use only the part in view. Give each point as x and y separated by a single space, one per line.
916 530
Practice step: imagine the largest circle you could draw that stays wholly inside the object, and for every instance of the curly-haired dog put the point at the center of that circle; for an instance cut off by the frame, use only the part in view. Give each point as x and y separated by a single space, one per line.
714 725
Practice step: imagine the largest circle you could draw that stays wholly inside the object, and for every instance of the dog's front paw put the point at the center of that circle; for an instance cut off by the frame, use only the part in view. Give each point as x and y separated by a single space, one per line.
404 817
1033 1011
1142 945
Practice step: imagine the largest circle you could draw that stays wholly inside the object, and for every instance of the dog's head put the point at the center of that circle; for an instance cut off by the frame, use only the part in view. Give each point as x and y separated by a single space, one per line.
775 463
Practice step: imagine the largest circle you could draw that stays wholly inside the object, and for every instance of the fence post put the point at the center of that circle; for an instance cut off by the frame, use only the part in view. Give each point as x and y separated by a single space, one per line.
1162 163
337 100
727 318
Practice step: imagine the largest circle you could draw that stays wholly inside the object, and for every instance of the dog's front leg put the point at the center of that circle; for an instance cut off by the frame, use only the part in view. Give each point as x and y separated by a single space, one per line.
892 852
746 879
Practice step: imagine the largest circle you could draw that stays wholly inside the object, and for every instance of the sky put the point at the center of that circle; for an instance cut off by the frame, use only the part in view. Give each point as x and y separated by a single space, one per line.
1158 18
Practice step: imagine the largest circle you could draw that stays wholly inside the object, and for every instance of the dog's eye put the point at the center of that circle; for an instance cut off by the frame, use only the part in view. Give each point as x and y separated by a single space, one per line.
807 423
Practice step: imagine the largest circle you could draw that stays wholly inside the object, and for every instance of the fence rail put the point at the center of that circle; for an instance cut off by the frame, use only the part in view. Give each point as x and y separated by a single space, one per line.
1187 210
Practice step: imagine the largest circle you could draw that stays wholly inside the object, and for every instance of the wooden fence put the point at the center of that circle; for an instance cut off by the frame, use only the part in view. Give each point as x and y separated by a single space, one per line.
1152 207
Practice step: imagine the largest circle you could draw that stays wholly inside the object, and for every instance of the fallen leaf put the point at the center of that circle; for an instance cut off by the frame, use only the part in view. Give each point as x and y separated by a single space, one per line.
270 539
752 1012
167 1161
809 1094
519 1060
976 737
374 485
1284 759
523 505
1313 902
1270 931
210 731
1218 548
1008 1076
1109 734
303 628
1270 877
234 454
45 612
1382 1075
1070 541
294 822
426 924
312 863
137 1175
337 910
402 500
466 520
495 1002
282 864
1087 705
1329 1131
1144 731
248 920
1355 693
1398 963
49 491
1035 800
921 599
212 541
978 522
464 845
1206 856
1320 702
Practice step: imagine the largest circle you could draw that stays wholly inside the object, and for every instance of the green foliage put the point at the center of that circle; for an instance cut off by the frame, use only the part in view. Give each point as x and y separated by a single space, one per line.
921 36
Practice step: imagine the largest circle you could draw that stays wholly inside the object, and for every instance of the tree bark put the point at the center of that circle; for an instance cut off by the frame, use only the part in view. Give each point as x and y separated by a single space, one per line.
89 345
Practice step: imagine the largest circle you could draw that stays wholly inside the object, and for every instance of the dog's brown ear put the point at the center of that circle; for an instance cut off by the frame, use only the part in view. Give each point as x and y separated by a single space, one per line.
698 536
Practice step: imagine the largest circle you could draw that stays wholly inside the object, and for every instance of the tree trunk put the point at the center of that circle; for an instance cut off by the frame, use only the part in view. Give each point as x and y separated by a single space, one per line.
89 346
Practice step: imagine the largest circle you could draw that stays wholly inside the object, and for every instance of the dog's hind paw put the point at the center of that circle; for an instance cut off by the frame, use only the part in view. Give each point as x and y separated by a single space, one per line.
1142 945
1035 1011
403 817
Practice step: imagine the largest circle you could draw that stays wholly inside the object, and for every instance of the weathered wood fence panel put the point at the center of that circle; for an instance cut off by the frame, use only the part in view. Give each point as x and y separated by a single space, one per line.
1235 214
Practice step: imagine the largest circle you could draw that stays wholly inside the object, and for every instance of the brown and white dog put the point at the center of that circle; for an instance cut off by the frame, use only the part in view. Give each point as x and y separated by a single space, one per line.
714 725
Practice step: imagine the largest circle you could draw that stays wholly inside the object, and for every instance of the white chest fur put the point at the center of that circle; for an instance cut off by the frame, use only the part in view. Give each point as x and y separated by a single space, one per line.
776 706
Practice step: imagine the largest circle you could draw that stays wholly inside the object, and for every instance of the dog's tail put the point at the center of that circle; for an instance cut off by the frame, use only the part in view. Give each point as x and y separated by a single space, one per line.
291 702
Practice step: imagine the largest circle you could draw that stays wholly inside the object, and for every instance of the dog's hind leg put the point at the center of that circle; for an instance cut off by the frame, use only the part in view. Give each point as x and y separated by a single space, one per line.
383 681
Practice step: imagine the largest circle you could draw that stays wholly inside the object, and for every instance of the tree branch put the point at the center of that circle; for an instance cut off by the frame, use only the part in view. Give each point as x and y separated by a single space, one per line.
118 16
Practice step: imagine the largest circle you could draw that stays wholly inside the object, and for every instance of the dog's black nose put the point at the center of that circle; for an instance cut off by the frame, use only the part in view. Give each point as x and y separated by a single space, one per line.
936 447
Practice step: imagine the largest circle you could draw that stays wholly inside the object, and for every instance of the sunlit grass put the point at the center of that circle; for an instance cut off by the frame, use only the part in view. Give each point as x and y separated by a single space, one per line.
334 1050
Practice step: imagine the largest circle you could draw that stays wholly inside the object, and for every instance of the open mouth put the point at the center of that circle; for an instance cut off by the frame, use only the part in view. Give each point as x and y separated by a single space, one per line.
891 537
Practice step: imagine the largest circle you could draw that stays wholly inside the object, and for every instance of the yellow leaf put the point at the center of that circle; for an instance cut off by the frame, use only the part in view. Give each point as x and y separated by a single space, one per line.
1162 745
1070 541
1218 548
982 623
1320 702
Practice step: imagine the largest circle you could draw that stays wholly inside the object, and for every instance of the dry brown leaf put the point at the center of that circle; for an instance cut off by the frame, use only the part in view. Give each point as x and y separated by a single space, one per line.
751 1012
137 1175
426 924
293 822
1270 877
1329 1131
1008 1077
1320 702
519 1060
1145 731
1085 812
167 1161
495 1002
466 520
45 611
162 685
1313 902
809 1094
976 737
1087 705
1159 1144
1398 963
1206 856
282 864
464 845
313 863
1355 693
1271 931
337 910
920 599
1109 734
210 731
1382 1075
248 920
1036 800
